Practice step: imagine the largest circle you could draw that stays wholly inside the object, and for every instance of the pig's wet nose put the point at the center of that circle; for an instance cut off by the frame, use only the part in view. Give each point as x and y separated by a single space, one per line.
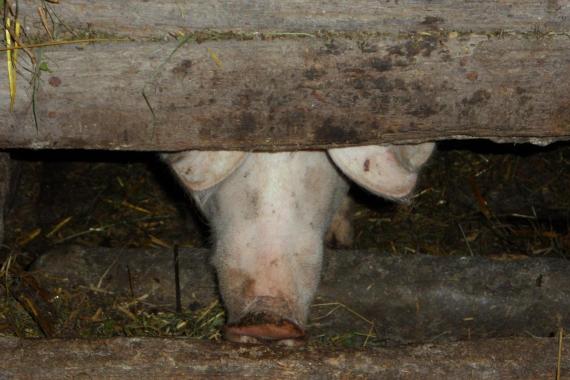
262 328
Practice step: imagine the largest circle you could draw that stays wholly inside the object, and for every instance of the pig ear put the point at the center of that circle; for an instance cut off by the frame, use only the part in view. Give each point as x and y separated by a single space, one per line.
388 171
200 170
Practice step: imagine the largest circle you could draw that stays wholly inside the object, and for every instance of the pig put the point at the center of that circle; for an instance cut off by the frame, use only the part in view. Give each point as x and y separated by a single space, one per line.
269 214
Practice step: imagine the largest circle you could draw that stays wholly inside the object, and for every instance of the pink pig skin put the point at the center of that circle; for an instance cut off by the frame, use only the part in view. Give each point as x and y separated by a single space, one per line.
269 213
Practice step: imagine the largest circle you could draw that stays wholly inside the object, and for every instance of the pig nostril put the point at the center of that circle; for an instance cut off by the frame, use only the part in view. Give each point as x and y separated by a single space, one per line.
264 327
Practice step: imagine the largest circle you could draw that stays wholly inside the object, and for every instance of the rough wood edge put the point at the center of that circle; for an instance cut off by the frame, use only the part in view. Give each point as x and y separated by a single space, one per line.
141 358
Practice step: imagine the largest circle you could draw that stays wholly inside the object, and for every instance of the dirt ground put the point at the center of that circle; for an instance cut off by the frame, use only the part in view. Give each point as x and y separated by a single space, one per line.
474 199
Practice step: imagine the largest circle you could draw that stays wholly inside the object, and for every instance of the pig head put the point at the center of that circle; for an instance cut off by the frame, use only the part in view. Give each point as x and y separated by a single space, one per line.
269 213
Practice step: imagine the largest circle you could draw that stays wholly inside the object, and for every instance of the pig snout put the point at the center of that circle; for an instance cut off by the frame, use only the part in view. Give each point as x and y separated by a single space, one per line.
269 213
269 218
259 327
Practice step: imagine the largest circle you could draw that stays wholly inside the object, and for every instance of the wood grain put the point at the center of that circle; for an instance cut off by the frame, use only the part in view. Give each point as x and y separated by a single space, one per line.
144 19
292 93
152 358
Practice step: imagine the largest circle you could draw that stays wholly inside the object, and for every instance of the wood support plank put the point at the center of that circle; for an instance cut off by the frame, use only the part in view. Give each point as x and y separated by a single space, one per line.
293 93
151 358
144 19
415 298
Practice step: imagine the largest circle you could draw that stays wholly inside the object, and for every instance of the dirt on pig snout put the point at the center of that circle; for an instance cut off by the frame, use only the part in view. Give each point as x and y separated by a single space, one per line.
474 199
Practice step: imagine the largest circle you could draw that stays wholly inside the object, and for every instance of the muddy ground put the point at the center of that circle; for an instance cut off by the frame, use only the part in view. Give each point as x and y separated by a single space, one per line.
474 199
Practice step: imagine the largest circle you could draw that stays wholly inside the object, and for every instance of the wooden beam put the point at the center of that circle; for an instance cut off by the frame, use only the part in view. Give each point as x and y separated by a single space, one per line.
151 358
292 93
415 298
144 19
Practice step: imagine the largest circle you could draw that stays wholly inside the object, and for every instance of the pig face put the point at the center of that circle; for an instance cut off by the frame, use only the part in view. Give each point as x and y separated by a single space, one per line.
269 213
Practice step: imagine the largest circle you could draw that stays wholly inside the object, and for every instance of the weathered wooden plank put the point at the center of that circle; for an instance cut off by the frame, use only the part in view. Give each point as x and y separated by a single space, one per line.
415 298
293 93
152 358
137 18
